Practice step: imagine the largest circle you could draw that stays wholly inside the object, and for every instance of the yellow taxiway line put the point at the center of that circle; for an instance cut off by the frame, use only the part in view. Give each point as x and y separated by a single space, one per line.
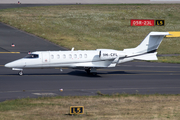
10 52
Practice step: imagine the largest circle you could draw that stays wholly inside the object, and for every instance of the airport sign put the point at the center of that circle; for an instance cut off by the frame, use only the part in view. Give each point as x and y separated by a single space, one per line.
142 22
160 22
76 109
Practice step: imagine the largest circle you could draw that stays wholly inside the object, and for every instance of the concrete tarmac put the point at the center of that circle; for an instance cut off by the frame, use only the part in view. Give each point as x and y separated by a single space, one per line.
23 41
132 77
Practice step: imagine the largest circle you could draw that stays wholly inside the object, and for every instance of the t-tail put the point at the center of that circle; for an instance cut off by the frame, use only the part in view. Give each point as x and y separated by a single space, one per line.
146 50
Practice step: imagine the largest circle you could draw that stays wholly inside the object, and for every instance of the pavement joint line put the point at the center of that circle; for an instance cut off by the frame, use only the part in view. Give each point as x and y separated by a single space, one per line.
64 90
10 52
34 75
143 74
147 66
139 70
27 91
98 74
120 88
158 66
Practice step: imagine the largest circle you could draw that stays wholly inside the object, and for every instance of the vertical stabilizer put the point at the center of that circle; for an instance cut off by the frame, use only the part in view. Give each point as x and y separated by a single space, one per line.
149 44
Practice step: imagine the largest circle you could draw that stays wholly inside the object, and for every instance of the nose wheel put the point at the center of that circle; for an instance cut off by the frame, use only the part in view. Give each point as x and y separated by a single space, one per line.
20 73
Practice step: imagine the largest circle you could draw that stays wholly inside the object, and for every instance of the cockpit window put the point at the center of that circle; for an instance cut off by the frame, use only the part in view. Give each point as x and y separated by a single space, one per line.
32 56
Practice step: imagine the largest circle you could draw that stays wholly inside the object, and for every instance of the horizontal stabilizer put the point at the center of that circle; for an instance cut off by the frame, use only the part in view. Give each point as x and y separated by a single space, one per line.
148 56
174 34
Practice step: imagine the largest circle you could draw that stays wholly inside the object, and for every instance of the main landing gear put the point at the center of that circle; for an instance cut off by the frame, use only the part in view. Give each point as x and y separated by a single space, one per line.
91 71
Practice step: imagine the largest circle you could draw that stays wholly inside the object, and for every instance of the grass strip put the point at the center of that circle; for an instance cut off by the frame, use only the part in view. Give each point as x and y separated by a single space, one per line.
102 107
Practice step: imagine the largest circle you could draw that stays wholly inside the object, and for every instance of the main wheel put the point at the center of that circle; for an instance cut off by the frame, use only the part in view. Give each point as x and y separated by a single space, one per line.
20 73
88 70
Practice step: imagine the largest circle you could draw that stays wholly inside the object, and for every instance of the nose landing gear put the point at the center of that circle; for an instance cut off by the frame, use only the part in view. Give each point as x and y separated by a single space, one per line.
20 73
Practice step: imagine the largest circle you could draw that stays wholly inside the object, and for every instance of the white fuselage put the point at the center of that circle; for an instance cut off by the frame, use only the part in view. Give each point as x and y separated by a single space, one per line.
72 59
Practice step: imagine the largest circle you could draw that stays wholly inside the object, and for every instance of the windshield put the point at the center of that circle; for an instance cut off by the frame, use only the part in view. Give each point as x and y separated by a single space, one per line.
32 56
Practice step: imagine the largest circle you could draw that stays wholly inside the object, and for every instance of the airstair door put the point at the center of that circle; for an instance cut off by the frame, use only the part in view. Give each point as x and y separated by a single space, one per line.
45 57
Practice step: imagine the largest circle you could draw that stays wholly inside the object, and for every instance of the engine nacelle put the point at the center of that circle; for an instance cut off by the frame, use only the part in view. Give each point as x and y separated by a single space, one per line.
110 54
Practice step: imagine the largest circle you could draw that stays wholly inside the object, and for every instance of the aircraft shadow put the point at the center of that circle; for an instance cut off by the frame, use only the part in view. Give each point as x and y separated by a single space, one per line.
84 74
75 73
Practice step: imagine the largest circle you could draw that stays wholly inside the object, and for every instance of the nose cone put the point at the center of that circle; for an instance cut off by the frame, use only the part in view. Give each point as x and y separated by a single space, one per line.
11 65
8 65
15 64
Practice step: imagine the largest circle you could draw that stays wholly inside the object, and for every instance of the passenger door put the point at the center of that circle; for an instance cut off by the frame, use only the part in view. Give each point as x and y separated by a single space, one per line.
45 57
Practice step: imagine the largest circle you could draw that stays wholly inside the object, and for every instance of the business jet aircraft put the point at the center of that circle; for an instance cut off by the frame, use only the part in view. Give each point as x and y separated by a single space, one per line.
90 60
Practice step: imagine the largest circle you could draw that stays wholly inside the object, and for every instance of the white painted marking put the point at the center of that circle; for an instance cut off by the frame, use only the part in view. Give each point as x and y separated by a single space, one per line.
44 94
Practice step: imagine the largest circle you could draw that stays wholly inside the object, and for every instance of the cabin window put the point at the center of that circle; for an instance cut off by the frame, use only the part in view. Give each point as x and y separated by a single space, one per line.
80 55
58 56
70 56
75 56
52 56
85 55
32 56
64 56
